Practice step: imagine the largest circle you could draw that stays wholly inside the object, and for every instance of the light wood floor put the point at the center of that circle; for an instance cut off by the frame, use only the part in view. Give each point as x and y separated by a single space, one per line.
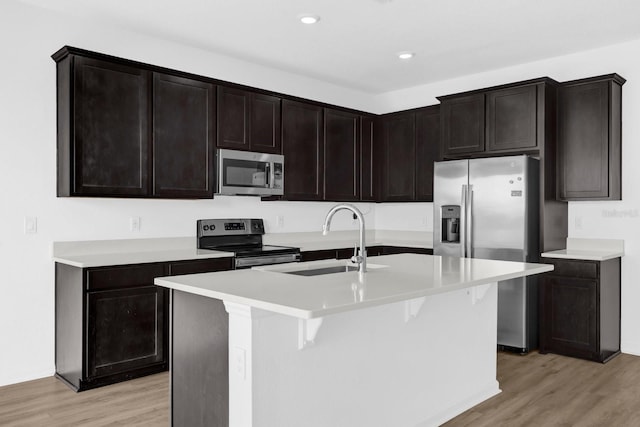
537 390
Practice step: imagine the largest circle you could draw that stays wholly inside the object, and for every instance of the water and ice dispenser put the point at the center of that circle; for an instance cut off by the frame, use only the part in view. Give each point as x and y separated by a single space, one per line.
451 223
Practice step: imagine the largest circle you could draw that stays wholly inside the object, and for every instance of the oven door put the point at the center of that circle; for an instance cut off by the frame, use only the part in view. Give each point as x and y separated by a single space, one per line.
249 173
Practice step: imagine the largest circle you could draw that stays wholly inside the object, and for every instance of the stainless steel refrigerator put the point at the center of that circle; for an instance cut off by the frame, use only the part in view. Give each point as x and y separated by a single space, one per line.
489 208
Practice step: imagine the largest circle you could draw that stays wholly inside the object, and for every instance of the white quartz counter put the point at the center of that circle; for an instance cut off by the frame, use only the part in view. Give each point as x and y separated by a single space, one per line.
589 249
99 253
390 278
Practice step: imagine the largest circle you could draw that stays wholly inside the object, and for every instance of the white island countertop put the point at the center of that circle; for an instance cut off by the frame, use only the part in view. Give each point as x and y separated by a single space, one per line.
390 278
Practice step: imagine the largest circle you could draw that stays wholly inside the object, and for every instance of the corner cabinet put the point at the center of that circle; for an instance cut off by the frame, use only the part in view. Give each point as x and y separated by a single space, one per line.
112 322
580 309
590 139
123 129
408 148
329 154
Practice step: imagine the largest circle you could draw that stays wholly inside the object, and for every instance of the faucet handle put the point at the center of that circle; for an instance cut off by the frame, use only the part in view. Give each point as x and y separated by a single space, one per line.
356 259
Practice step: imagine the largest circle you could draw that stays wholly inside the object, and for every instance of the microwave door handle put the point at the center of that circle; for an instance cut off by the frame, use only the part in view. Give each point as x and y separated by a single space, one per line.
267 175
462 227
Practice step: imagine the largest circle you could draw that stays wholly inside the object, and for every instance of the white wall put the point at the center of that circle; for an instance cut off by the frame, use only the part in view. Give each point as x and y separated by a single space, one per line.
610 220
28 36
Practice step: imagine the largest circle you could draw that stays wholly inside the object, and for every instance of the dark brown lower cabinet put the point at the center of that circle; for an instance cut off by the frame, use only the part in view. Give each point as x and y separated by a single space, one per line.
346 253
580 309
112 323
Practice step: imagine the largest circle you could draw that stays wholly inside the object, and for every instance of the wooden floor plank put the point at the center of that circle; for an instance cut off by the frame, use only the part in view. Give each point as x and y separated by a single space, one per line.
537 390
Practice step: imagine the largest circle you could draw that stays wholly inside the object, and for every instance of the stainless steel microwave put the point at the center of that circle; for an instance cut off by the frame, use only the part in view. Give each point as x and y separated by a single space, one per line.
249 173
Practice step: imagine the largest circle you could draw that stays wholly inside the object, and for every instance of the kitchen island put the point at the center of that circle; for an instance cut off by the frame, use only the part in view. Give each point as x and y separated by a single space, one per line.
412 342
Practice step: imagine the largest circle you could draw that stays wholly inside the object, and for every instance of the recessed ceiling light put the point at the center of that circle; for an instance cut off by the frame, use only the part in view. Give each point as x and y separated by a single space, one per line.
308 18
406 55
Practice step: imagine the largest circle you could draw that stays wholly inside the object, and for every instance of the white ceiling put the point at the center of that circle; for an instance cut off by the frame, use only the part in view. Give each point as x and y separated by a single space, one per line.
356 41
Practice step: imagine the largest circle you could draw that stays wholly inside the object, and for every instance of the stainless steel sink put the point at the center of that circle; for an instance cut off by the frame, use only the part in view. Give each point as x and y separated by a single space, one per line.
323 270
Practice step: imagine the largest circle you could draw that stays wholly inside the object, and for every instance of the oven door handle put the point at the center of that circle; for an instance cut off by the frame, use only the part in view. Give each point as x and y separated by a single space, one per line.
266 260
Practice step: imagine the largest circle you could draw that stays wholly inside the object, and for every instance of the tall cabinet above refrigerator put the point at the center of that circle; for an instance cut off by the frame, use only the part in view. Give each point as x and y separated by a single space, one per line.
489 208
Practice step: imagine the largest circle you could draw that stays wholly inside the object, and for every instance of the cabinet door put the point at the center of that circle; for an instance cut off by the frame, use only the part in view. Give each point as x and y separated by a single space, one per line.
126 330
589 141
398 157
569 316
183 132
341 156
427 150
368 179
233 118
111 134
462 123
302 141
512 119
265 124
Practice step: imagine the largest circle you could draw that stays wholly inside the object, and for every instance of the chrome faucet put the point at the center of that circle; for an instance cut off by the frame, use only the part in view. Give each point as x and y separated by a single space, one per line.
357 258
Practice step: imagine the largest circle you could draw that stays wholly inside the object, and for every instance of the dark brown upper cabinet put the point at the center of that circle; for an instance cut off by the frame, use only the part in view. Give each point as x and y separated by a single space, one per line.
127 131
341 155
462 121
409 146
302 147
248 121
183 137
368 169
398 157
510 119
103 137
427 150
590 138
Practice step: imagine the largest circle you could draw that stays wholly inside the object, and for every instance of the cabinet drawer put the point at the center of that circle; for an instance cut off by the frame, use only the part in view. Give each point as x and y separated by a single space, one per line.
123 276
201 266
575 268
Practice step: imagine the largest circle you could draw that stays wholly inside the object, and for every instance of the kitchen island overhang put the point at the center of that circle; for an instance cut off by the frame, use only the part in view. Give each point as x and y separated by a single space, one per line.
413 342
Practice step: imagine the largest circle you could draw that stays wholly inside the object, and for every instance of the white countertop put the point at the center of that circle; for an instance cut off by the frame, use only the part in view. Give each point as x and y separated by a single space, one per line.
99 253
390 278
589 249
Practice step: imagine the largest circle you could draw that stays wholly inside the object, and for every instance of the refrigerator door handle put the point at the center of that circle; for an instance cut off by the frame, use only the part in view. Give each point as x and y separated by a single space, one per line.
469 222
463 222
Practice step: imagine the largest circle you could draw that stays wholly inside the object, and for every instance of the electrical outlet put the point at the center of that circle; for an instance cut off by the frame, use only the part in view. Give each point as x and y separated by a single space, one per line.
578 223
280 221
134 223
240 362
30 225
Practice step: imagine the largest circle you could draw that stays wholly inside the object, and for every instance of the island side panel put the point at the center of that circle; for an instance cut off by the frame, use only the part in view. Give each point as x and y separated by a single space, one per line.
366 367
199 361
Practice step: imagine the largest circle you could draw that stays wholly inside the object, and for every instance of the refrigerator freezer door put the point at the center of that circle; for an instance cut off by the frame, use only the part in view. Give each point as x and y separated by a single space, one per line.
498 205
448 181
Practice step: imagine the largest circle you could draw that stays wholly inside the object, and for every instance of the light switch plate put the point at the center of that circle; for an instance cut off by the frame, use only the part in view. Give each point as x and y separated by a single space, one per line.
30 225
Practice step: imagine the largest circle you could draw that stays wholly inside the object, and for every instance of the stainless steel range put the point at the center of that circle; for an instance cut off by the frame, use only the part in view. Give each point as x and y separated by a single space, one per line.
244 238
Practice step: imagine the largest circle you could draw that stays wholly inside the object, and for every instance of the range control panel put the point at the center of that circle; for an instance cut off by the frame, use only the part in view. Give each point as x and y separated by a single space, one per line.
229 227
